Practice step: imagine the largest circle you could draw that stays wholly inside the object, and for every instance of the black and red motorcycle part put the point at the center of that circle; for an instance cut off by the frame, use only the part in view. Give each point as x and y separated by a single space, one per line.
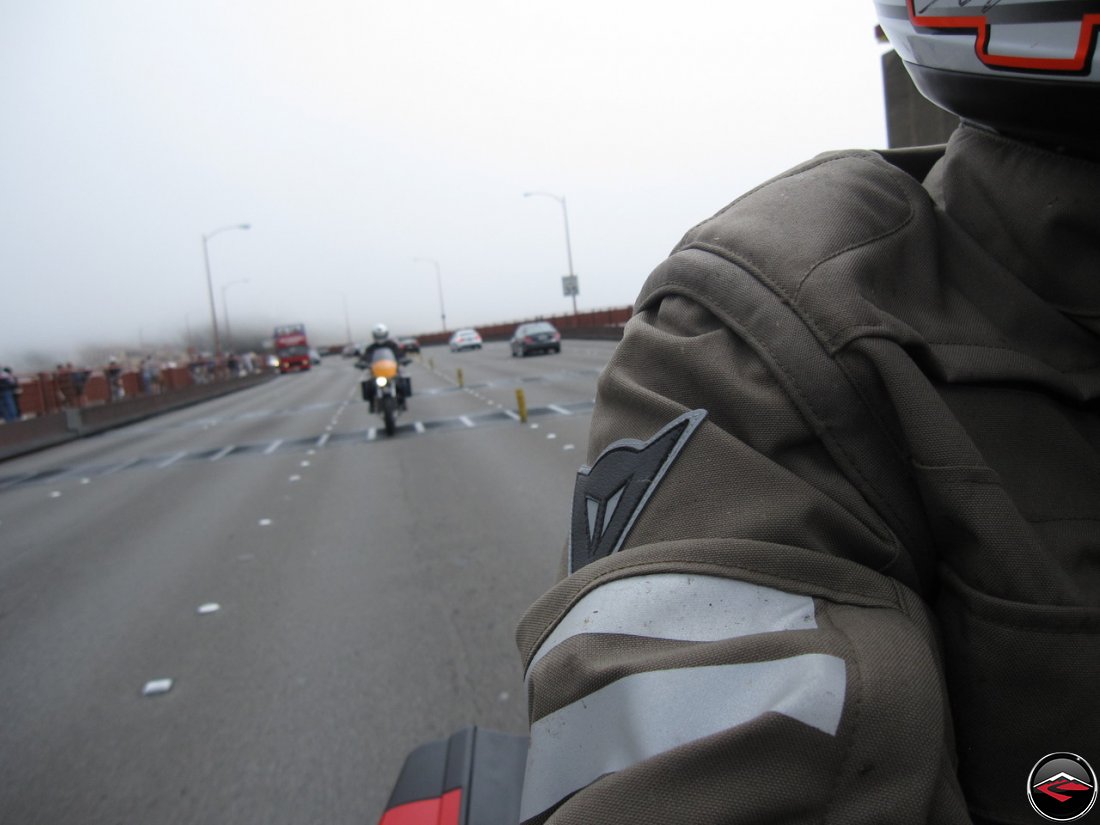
474 777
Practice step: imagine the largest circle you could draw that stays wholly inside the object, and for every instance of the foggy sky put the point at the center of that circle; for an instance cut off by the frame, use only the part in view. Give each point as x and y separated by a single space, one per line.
355 137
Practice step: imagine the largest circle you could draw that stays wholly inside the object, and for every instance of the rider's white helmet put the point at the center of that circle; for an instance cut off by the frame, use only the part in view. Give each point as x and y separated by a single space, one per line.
380 332
1023 67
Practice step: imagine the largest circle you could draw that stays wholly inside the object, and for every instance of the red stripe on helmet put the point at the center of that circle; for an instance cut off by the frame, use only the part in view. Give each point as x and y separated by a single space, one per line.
980 24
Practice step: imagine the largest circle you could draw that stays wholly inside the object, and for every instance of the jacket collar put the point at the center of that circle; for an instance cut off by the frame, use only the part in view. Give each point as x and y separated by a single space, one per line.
1036 212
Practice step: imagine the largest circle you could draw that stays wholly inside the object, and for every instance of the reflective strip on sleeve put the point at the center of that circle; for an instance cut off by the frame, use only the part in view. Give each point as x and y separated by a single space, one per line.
646 714
683 607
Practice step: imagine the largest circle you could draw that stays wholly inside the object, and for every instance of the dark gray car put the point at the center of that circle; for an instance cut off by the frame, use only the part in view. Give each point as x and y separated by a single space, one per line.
538 336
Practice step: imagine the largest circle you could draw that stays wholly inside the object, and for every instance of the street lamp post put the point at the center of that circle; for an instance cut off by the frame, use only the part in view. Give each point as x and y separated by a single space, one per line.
568 247
439 282
225 311
210 281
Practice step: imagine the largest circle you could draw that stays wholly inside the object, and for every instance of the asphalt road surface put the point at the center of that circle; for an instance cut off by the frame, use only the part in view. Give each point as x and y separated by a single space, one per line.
367 591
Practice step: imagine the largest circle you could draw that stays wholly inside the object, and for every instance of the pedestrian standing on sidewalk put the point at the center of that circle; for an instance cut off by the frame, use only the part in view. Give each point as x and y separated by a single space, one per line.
9 389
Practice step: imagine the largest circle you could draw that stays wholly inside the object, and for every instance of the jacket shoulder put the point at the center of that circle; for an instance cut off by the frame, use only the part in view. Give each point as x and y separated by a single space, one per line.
832 236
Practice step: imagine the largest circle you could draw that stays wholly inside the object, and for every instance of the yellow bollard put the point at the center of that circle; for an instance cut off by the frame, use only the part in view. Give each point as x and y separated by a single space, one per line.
521 404
460 382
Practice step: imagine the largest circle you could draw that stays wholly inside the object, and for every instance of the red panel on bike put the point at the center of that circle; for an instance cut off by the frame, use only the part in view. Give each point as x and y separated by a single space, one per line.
443 810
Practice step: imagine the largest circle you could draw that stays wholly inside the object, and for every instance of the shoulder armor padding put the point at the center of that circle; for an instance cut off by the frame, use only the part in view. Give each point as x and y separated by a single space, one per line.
836 237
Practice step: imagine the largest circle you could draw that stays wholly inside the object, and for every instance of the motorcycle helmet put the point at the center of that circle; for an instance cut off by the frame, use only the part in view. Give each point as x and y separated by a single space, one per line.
1024 68
380 332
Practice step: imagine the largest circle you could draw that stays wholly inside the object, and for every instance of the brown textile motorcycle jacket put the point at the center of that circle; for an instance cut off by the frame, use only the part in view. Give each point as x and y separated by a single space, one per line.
835 556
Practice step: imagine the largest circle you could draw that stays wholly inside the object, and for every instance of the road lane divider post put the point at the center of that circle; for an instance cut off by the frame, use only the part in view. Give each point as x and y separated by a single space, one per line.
521 405
461 383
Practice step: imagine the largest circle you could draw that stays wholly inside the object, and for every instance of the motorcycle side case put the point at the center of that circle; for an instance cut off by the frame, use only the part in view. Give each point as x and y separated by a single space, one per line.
367 388
474 777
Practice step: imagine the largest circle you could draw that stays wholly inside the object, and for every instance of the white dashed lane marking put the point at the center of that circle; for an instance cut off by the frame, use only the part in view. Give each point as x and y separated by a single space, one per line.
156 687
168 462
328 441
123 466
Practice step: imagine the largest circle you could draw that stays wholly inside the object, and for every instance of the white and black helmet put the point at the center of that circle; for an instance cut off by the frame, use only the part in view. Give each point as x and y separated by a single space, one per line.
380 332
1023 67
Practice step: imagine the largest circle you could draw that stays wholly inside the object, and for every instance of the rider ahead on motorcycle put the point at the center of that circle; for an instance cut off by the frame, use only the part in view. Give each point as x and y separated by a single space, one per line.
381 338
383 342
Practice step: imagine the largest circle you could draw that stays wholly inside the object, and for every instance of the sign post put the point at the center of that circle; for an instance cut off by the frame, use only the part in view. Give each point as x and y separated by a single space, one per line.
570 288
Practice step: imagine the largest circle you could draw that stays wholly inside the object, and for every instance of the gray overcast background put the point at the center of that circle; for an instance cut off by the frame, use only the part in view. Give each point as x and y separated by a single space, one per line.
356 136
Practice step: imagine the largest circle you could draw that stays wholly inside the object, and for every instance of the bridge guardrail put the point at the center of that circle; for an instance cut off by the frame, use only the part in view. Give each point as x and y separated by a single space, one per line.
59 425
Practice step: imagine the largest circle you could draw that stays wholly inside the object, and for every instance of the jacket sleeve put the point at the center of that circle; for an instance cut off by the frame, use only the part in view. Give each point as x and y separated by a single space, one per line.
735 642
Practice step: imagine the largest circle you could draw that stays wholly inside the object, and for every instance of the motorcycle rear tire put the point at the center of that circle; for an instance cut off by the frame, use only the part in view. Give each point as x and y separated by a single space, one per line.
388 414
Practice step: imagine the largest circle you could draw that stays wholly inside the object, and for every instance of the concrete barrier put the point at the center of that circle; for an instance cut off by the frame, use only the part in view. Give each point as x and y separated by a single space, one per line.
30 434
57 427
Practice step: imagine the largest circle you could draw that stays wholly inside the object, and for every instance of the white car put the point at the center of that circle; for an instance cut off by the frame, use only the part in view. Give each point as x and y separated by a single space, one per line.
465 339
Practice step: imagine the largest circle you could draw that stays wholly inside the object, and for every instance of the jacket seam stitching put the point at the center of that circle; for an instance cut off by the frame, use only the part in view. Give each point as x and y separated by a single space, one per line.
790 173
855 720
871 158
824 428
886 233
